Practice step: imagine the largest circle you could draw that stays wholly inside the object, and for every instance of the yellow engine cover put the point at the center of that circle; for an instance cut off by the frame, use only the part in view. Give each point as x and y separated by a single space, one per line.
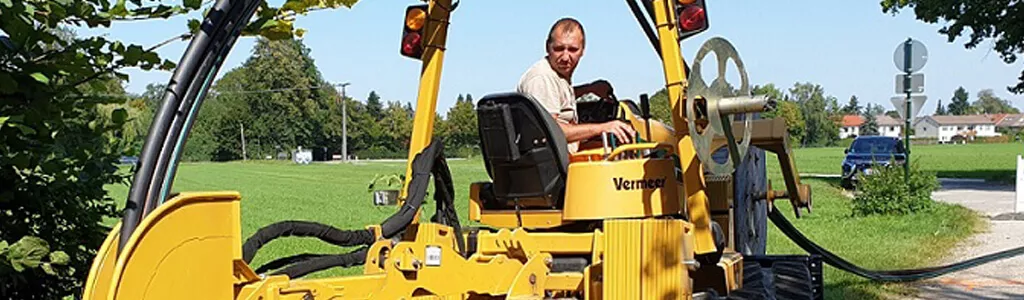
621 189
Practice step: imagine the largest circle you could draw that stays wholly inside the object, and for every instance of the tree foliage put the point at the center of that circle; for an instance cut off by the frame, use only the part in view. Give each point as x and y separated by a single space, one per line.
820 114
989 103
870 126
64 122
1001 21
939 109
959 104
853 107
787 109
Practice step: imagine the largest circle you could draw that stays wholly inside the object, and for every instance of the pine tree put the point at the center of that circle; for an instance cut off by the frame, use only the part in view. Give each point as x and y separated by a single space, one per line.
870 126
940 110
960 105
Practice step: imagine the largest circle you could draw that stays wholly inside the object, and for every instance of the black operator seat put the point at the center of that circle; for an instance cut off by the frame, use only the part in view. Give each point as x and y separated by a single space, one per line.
524 151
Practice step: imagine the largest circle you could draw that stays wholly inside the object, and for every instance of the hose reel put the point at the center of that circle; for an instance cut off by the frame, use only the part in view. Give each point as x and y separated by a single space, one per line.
711 109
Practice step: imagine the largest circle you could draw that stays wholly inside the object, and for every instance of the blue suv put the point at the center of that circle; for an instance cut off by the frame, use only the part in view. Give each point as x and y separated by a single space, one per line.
868 151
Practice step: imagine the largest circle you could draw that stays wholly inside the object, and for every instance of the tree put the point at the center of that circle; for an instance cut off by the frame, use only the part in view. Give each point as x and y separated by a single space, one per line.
989 103
875 110
460 127
893 114
660 109
959 104
57 115
819 113
786 109
870 126
852 107
373 105
1002 21
939 109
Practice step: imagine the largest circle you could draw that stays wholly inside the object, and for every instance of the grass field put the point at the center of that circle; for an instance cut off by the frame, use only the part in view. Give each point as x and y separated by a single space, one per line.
986 161
336 195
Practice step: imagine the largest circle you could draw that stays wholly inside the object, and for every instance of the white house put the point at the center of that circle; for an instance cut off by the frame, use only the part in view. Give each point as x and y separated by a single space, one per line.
851 126
888 126
955 128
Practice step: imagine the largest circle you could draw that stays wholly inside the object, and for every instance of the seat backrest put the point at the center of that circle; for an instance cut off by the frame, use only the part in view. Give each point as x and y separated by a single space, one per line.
524 150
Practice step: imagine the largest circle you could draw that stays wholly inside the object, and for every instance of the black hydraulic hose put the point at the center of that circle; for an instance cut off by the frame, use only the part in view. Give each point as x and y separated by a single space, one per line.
284 261
422 165
830 258
444 196
302 268
220 46
644 24
141 192
326 233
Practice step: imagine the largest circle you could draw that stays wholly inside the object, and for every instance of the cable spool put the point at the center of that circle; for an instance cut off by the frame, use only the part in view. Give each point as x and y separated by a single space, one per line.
711 109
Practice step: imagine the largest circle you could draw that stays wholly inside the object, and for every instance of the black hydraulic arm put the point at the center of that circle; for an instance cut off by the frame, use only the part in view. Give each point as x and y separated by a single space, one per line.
185 92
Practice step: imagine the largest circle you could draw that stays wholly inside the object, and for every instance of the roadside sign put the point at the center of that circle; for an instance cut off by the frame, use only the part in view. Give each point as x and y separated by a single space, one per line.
918 56
916 103
916 84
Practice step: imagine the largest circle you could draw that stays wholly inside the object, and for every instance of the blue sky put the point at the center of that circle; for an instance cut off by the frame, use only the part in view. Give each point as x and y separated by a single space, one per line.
845 46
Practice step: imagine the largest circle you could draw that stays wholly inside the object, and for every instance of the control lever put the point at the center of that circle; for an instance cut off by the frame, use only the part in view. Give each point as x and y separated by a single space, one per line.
645 112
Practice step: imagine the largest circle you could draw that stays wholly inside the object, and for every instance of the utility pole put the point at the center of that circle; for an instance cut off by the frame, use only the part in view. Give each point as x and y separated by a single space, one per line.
242 129
344 124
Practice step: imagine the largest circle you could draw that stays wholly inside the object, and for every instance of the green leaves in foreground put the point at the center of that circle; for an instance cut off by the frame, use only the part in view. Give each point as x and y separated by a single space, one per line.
29 253
885 193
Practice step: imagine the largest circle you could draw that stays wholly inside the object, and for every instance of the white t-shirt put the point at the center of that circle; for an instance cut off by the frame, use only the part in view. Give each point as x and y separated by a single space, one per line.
552 91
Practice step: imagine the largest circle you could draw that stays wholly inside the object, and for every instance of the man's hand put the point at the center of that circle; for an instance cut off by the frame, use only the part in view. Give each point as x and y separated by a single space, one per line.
622 131
578 132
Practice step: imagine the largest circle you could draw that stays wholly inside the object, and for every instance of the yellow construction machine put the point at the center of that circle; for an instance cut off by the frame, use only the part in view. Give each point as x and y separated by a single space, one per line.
679 213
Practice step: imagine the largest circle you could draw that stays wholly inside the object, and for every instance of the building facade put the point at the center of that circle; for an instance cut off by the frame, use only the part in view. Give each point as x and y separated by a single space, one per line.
955 129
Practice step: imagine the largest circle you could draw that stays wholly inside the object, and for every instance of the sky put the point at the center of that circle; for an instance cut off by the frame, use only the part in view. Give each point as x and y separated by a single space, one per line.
845 46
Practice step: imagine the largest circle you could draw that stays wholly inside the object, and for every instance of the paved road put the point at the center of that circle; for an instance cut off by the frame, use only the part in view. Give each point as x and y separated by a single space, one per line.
1002 279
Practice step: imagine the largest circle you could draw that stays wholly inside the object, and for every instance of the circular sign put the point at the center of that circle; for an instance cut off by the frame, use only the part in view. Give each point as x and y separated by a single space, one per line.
913 60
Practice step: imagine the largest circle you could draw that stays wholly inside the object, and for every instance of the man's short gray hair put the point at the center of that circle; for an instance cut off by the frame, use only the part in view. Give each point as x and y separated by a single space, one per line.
565 25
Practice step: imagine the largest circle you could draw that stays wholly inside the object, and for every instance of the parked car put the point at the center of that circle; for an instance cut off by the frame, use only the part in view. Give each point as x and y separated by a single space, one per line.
867 152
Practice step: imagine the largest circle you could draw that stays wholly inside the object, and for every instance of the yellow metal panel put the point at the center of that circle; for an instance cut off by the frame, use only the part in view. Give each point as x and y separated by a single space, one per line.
510 241
564 281
182 250
620 189
675 83
102 269
531 218
662 257
622 259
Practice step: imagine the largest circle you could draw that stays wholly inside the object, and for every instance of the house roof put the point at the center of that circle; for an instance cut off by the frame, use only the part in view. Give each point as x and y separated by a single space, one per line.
883 120
1008 120
962 120
852 121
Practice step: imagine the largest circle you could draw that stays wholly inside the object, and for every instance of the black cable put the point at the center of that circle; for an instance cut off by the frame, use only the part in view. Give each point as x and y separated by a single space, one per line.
305 267
889 275
326 233
284 261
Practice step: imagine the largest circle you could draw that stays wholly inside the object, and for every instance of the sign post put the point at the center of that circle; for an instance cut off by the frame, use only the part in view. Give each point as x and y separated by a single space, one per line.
910 57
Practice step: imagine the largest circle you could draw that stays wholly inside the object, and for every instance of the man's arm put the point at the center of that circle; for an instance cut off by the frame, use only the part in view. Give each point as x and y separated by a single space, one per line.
578 132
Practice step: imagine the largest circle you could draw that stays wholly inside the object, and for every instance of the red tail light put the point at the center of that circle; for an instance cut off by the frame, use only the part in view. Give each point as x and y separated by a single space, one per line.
692 18
411 44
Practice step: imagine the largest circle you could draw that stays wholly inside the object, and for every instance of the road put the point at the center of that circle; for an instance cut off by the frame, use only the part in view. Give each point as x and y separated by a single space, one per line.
1002 279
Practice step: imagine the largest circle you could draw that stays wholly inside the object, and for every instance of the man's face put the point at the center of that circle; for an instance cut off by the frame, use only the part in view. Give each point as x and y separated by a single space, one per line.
565 51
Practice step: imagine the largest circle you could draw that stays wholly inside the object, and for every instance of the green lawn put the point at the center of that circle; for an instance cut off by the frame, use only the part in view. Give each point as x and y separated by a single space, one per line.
336 195
987 161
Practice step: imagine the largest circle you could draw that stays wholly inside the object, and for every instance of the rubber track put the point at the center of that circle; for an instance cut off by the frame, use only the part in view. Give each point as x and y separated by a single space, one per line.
792 281
756 286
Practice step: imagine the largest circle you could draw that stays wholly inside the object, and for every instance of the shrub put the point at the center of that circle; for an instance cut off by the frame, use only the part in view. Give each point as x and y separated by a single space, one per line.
884 192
